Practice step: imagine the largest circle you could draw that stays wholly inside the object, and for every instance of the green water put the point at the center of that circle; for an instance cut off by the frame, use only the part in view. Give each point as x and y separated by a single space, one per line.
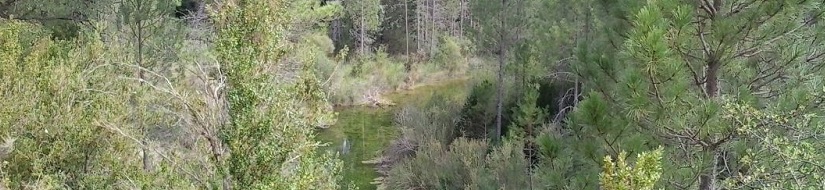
367 131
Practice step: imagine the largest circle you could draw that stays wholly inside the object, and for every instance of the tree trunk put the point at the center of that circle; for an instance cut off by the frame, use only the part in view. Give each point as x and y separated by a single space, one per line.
432 29
408 64
363 27
461 18
139 74
500 93
407 30
712 76
336 30
707 181
418 26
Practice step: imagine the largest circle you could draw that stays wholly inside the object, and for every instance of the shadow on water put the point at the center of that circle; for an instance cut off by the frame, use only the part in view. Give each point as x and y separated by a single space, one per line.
362 132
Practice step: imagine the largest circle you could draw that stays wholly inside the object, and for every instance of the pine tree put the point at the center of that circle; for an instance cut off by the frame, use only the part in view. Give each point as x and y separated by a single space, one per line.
145 22
366 17
497 33
681 62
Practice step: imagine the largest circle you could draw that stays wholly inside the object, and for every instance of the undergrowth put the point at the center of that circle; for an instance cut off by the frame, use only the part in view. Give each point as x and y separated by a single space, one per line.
363 79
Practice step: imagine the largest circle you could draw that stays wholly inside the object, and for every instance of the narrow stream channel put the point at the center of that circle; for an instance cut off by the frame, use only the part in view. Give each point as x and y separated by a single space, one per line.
362 132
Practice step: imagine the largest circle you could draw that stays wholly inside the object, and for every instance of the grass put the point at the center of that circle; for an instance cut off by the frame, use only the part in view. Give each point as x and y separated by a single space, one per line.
351 83
356 81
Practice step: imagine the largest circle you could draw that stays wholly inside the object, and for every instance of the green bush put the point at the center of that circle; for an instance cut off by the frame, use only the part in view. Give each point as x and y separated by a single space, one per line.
450 56
618 175
270 132
463 164
378 72
434 120
431 155
325 66
65 125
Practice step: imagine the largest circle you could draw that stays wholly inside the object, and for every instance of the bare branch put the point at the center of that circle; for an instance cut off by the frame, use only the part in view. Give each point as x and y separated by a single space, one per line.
757 48
707 7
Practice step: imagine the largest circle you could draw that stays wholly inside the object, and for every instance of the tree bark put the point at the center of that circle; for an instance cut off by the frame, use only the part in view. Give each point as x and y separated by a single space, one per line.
461 18
336 30
432 29
418 32
362 49
140 75
500 93
707 180
712 76
407 30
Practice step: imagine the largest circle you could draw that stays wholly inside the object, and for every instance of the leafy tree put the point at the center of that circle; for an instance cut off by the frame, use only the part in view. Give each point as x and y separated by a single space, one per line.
781 159
449 55
271 145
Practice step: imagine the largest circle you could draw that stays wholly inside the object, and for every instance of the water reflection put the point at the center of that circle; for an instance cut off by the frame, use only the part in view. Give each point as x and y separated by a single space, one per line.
345 146
372 129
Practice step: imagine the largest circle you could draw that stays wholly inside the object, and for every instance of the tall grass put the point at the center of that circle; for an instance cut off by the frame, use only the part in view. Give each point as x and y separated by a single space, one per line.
430 155
363 78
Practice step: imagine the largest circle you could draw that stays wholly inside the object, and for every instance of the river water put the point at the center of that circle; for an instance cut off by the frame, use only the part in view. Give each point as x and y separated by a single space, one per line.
362 132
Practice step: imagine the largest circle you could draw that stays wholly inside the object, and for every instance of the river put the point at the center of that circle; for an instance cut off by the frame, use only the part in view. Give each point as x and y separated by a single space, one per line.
362 132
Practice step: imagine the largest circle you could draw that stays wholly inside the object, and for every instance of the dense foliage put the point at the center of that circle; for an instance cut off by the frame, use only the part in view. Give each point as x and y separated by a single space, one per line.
560 94
269 135
130 103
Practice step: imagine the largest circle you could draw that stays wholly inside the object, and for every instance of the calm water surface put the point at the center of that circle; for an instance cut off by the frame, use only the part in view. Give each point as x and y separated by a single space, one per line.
362 132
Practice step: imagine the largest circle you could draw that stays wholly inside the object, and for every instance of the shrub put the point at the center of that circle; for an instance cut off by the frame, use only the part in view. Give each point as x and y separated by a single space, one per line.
434 120
46 147
463 164
619 175
430 154
270 133
325 67
450 56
